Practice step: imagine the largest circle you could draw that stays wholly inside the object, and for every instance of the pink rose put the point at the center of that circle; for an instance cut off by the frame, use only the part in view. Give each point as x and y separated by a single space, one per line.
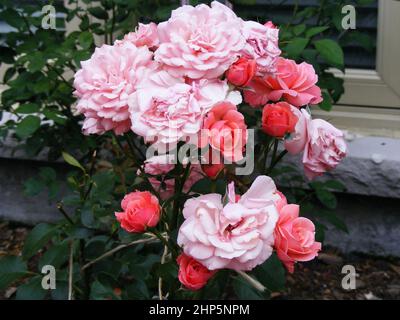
159 166
297 140
295 83
192 274
324 150
261 45
141 210
241 72
105 82
225 130
281 202
294 237
145 35
200 42
168 110
236 236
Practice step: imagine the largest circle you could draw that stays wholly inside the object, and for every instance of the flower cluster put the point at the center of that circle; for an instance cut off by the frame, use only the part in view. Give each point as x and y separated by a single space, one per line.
184 79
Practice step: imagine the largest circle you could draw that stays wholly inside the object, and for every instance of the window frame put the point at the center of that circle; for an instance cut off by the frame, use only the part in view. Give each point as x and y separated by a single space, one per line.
372 97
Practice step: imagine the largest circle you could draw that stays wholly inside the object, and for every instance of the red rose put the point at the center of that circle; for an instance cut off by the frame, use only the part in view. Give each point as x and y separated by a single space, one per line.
278 119
141 210
241 72
192 274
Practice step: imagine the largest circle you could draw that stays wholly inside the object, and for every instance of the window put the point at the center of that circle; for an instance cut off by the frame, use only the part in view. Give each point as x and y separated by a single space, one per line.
372 97
371 102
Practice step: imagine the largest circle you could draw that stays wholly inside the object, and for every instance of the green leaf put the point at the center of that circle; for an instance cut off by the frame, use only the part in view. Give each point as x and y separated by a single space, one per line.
85 39
138 290
37 238
55 256
61 291
98 12
315 30
245 291
332 218
28 108
271 274
299 29
27 126
47 174
326 103
296 46
72 161
330 51
99 291
36 61
7 55
33 187
11 269
9 74
87 217
201 186
327 198
335 185
55 116
32 290
319 231
12 18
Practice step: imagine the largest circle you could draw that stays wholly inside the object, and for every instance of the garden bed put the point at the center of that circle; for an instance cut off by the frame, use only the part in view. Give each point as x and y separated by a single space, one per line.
379 278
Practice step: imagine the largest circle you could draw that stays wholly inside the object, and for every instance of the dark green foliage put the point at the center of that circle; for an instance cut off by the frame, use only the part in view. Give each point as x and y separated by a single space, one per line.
39 92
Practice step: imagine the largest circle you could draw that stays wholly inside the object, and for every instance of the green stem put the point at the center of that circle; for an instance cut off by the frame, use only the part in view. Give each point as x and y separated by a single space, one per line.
276 143
276 161
164 241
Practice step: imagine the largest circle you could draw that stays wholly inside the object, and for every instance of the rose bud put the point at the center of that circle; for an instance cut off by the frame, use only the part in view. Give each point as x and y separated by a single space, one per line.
212 170
140 211
241 72
278 119
192 274
270 24
214 164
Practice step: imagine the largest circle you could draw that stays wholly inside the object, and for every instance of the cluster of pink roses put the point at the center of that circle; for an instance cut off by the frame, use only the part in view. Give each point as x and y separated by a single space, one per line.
237 232
185 78
182 78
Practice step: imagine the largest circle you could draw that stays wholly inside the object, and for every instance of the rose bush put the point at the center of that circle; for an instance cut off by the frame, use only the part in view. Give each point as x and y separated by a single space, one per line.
184 224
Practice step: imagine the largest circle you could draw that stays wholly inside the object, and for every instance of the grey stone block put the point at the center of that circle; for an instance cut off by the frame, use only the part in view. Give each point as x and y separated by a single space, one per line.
373 223
14 204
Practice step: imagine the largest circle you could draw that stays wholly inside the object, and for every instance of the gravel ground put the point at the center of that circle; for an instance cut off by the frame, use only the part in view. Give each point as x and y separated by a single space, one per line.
377 277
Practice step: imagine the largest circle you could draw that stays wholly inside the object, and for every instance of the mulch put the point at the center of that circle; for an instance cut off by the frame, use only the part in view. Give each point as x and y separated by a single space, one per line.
377 277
